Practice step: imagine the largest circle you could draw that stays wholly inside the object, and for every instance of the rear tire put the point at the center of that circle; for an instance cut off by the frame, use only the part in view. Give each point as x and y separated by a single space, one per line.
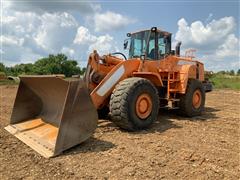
129 96
192 103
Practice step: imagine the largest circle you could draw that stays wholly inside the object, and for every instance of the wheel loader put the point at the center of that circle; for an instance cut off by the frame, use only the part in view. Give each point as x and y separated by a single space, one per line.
51 114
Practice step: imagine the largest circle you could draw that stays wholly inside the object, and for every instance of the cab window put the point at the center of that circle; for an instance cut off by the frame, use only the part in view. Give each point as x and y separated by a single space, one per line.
151 49
138 47
161 47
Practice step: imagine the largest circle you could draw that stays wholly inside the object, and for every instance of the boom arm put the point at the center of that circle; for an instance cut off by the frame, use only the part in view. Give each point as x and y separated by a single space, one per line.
101 78
121 71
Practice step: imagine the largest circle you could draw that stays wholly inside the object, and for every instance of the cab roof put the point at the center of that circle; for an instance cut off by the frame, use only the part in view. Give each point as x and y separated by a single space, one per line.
158 30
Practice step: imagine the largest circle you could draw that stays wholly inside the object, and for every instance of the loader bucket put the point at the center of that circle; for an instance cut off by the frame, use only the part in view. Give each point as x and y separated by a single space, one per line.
51 114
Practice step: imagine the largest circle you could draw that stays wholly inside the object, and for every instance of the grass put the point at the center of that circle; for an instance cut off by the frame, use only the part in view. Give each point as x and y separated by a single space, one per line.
8 82
221 81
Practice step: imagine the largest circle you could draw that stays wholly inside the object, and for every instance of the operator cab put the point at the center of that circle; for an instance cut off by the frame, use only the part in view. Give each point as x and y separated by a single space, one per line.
152 44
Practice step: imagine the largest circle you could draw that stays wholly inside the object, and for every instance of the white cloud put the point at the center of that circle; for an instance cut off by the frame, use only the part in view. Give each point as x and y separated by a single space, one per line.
68 51
34 29
55 30
27 35
210 35
11 40
209 18
51 6
103 44
109 21
216 42
230 48
216 63
83 36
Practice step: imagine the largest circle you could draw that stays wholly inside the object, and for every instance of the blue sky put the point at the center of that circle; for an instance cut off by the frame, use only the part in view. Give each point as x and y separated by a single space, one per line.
33 29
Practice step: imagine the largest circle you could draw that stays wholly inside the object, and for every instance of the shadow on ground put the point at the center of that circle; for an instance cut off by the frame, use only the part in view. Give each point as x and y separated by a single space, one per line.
90 145
166 120
208 114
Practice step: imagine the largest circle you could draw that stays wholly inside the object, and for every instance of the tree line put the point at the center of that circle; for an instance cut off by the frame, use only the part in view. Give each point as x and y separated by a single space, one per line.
53 64
231 72
59 64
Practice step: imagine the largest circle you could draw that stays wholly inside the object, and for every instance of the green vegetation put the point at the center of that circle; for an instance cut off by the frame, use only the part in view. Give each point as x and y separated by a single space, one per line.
53 64
60 64
226 80
8 82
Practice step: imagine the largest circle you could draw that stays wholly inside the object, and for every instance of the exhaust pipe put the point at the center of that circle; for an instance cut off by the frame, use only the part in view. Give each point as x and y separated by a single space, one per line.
177 49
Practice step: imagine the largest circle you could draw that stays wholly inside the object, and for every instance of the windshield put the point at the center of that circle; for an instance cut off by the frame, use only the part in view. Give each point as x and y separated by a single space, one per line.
139 42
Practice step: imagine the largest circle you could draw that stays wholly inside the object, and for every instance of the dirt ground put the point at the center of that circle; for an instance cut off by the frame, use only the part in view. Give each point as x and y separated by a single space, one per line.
205 147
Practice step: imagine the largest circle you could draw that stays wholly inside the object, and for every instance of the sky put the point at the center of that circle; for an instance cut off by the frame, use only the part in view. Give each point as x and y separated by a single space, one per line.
32 29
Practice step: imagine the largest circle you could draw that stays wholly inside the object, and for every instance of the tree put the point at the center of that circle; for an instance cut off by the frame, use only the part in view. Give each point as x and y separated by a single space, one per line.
83 70
2 71
53 64
21 69
221 72
70 68
232 73
2 68
56 64
238 72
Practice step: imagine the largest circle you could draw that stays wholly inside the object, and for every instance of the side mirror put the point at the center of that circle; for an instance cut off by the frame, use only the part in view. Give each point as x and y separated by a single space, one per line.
125 44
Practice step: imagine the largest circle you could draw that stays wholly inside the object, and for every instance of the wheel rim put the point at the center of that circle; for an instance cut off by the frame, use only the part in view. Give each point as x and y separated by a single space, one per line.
197 99
143 106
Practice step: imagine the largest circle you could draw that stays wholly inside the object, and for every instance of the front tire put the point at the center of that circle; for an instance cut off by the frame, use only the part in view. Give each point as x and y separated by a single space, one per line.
134 104
193 101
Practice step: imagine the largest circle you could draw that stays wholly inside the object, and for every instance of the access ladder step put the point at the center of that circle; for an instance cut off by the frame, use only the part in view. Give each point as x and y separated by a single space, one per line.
174 80
173 90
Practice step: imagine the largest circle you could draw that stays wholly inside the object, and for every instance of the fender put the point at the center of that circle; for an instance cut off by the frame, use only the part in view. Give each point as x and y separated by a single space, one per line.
187 71
155 78
104 89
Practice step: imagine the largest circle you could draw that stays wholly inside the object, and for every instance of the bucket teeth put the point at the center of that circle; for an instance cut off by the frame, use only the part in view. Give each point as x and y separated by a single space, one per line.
51 114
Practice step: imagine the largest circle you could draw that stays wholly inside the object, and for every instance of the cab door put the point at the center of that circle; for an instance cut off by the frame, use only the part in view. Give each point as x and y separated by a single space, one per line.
164 45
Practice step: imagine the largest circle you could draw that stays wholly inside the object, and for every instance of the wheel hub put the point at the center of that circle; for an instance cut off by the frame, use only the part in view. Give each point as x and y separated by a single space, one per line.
143 106
197 99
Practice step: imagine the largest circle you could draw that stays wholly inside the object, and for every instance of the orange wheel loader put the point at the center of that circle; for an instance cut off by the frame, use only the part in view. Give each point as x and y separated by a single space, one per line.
51 114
